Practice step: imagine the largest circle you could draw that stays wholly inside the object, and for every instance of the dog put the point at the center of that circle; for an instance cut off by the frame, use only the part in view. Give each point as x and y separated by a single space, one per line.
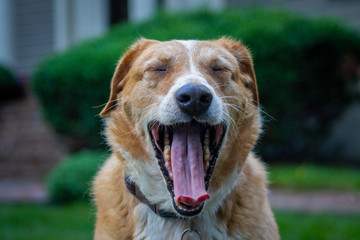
182 120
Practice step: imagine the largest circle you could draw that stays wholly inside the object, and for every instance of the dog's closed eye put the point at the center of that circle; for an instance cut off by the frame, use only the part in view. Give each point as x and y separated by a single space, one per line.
217 68
161 69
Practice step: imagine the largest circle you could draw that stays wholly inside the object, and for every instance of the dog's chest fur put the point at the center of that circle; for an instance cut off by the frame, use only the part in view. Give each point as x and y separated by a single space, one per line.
151 227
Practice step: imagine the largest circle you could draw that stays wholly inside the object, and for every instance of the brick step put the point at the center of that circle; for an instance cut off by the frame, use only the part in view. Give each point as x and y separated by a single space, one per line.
28 147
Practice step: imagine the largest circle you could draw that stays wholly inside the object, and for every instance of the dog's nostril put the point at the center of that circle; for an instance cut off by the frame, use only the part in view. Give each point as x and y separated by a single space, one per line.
193 98
183 98
206 98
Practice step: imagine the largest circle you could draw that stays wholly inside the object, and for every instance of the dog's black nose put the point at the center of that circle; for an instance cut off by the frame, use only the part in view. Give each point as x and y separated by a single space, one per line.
193 98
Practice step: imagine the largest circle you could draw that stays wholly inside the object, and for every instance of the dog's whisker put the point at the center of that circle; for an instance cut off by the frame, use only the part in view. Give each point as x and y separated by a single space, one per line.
104 104
113 106
231 121
218 86
152 125
238 110
260 107
261 110
246 102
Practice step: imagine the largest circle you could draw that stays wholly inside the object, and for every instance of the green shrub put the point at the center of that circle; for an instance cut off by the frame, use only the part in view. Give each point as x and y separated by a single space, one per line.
8 85
71 179
297 62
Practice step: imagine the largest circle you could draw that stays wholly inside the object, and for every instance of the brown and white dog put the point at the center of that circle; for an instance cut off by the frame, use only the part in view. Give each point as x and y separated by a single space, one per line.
182 120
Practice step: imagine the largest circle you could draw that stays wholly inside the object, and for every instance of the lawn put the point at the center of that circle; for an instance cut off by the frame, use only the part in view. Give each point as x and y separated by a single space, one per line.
304 226
46 222
76 221
311 177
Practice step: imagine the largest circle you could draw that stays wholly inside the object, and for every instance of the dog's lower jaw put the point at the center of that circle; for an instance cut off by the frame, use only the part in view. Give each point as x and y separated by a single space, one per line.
218 197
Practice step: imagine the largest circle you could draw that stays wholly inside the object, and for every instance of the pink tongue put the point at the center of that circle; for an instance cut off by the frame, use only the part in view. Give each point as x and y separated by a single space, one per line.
187 166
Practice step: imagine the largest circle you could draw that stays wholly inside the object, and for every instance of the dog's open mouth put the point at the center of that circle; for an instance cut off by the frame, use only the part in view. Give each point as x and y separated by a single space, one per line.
187 154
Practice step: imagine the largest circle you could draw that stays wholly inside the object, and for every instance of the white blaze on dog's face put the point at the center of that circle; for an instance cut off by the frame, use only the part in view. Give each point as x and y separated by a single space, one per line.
184 112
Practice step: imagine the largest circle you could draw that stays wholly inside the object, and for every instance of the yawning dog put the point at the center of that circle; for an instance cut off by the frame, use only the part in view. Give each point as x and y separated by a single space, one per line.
182 120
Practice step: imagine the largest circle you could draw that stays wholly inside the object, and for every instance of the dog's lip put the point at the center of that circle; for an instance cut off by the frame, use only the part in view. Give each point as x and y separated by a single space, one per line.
156 132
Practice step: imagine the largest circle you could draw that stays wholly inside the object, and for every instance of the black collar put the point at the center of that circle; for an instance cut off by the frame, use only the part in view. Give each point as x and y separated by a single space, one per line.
135 190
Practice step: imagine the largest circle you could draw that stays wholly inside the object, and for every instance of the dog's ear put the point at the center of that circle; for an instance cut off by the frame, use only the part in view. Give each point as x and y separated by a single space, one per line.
120 76
245 62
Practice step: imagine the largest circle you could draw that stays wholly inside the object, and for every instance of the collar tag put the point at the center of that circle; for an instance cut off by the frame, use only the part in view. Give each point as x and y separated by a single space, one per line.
192 230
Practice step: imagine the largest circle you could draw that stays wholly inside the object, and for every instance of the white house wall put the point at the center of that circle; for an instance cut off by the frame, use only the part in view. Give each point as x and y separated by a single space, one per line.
139 10
176 5
90 18
32 33
6 46
77 20
62 24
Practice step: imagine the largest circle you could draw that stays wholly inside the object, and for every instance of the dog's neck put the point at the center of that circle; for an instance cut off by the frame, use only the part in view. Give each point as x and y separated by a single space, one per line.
152 226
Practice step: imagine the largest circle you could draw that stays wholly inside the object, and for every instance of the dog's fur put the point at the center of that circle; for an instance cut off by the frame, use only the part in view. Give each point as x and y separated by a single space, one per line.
142 91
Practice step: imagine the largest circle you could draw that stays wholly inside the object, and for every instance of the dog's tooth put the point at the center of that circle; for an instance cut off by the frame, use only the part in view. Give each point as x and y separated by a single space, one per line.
176 201
206 146
167 151
207 165
171 175
166 137
168 167
206 137
206 153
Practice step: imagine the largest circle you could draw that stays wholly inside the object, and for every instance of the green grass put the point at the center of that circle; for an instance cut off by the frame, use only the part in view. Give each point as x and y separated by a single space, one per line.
301 226
43 222
311 177
76 221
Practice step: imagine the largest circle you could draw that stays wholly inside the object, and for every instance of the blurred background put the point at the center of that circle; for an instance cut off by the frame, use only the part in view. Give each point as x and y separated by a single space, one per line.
56 62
